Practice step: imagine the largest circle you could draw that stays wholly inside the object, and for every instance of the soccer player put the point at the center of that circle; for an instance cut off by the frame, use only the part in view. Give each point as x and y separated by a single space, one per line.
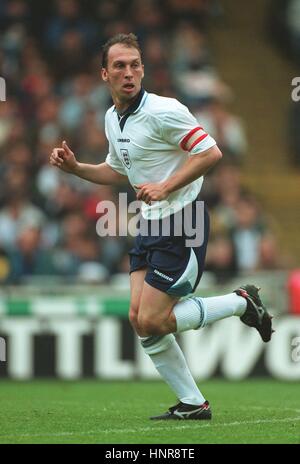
158 145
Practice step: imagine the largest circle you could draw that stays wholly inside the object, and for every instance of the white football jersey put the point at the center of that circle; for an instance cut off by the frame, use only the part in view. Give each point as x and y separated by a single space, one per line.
150 142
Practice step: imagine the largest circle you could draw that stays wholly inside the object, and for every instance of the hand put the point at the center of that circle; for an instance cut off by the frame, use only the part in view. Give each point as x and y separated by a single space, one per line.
152 192
64 158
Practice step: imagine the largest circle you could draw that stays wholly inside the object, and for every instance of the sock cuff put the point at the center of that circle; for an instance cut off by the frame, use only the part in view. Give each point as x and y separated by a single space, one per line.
202 310
188 315
157 343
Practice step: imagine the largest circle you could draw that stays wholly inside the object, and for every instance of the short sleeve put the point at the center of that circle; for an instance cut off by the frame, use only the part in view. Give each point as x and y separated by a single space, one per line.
113 161
182 129
112 158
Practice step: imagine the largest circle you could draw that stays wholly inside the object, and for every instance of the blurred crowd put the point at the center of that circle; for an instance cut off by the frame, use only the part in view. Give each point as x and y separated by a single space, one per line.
284 26
50 58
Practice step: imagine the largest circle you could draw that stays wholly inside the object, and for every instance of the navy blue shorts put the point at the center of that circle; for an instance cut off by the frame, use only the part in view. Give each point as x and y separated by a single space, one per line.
173 253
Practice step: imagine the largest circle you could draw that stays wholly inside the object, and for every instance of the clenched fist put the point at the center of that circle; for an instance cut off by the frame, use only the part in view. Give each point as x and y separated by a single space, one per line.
64 158
152 192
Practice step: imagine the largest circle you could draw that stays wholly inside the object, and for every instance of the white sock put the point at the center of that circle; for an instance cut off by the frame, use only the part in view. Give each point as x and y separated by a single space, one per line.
196 312
189 314
173 368
219 307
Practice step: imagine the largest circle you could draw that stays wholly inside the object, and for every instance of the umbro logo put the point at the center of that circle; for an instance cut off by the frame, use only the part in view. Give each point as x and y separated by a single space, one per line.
124 140
164 276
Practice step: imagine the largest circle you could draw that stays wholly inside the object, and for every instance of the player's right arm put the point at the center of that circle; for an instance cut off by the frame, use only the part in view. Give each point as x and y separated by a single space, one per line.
103 173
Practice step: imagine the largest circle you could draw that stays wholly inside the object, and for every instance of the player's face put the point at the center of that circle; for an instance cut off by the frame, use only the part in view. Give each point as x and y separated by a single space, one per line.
124 74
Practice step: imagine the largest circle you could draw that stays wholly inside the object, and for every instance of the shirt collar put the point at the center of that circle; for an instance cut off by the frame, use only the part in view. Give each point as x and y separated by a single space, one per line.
134 105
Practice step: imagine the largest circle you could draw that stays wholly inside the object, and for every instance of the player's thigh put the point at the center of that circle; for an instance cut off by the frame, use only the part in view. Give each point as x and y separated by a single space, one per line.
137 279
155 306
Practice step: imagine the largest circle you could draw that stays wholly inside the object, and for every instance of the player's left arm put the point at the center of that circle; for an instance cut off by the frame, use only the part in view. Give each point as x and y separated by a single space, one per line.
195 166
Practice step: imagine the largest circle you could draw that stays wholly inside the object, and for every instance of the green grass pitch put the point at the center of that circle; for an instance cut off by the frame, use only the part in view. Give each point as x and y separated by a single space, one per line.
252 411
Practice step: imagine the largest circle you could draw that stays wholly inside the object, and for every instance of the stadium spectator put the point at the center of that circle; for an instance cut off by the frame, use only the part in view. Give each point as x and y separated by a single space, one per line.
18 212
67 19
226 128
284 27
247 233
29 258
221 258
293 23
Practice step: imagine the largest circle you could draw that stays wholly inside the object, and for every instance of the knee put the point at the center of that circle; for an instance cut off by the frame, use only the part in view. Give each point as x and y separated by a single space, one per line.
133 316
150 326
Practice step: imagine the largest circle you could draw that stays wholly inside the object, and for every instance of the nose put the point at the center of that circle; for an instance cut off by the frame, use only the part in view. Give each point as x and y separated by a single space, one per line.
128 71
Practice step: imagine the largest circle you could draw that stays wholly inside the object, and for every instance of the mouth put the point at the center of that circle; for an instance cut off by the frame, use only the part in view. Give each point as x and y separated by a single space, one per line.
128 87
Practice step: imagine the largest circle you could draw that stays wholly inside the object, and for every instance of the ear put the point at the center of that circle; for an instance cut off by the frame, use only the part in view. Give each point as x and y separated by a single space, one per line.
104 74
143 71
